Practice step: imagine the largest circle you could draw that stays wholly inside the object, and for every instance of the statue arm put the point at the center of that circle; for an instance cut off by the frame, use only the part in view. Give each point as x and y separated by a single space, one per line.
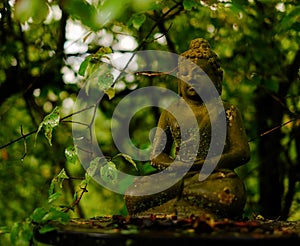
237 150
162 144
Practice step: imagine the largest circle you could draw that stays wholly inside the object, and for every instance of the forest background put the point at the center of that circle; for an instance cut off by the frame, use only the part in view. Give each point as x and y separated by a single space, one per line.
48 48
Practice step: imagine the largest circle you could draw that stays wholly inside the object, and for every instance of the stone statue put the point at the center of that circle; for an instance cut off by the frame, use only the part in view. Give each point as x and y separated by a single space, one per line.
222 193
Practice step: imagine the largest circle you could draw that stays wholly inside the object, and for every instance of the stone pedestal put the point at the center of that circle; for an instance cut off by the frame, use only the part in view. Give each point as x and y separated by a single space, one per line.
163 230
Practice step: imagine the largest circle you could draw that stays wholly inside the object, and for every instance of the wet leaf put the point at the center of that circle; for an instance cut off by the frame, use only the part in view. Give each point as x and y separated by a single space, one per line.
70 154
49 122
59 179
94 164
109 173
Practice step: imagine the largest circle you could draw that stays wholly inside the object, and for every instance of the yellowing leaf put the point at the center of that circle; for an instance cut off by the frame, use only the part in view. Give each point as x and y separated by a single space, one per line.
110 92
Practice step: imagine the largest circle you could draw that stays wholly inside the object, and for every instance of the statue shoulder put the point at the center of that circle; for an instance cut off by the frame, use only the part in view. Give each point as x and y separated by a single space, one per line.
231 107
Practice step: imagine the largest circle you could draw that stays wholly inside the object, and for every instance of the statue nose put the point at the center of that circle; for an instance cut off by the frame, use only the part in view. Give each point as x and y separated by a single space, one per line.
193 82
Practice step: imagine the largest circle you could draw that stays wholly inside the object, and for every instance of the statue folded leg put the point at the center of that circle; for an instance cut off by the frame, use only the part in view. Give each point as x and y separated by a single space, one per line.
221 195
137 205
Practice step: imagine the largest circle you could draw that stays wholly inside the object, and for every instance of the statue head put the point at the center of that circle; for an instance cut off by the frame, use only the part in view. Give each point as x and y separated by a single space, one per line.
200 54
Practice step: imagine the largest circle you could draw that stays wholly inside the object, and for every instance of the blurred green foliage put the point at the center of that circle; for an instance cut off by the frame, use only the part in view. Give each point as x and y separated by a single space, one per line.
47 47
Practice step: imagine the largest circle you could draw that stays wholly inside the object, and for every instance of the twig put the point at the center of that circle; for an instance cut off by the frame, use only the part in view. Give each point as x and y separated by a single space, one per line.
18 139
272 129
25 144
75 203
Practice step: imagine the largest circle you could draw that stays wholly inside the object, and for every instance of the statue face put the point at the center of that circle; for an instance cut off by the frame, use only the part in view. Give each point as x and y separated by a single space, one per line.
196 79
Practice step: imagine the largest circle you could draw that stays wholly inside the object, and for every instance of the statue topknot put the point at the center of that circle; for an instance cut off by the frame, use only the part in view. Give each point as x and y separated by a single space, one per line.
199 48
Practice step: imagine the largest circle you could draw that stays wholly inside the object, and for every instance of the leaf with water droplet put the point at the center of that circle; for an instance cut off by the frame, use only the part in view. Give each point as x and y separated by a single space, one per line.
109 173
49 122
59 179
91 170
70 154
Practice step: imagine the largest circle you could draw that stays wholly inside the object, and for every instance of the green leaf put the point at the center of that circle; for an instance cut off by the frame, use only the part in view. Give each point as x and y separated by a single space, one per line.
189 4
54 197
57 215
49 122
38 10
109 173
59 179
51 188
147 169
101 52
291 18
272 85
70 154
14 233
105 81
84 65
21 234
137 20
26 233
82 11
127 158
94 164
38 215
4 229
47 228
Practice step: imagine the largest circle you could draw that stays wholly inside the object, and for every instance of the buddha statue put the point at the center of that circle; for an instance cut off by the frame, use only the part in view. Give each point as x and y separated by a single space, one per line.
222 193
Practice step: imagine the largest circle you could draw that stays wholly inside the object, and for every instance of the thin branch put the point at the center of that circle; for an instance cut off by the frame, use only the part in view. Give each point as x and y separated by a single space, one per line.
272 129
76 202
24 136
144 41
25 144
18 139
74 122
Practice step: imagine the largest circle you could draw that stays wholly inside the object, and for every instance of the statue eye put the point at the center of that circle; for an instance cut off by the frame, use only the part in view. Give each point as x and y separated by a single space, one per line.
199 73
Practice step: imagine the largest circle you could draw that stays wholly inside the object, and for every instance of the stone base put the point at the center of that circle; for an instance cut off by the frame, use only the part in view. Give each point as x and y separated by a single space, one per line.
168 230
